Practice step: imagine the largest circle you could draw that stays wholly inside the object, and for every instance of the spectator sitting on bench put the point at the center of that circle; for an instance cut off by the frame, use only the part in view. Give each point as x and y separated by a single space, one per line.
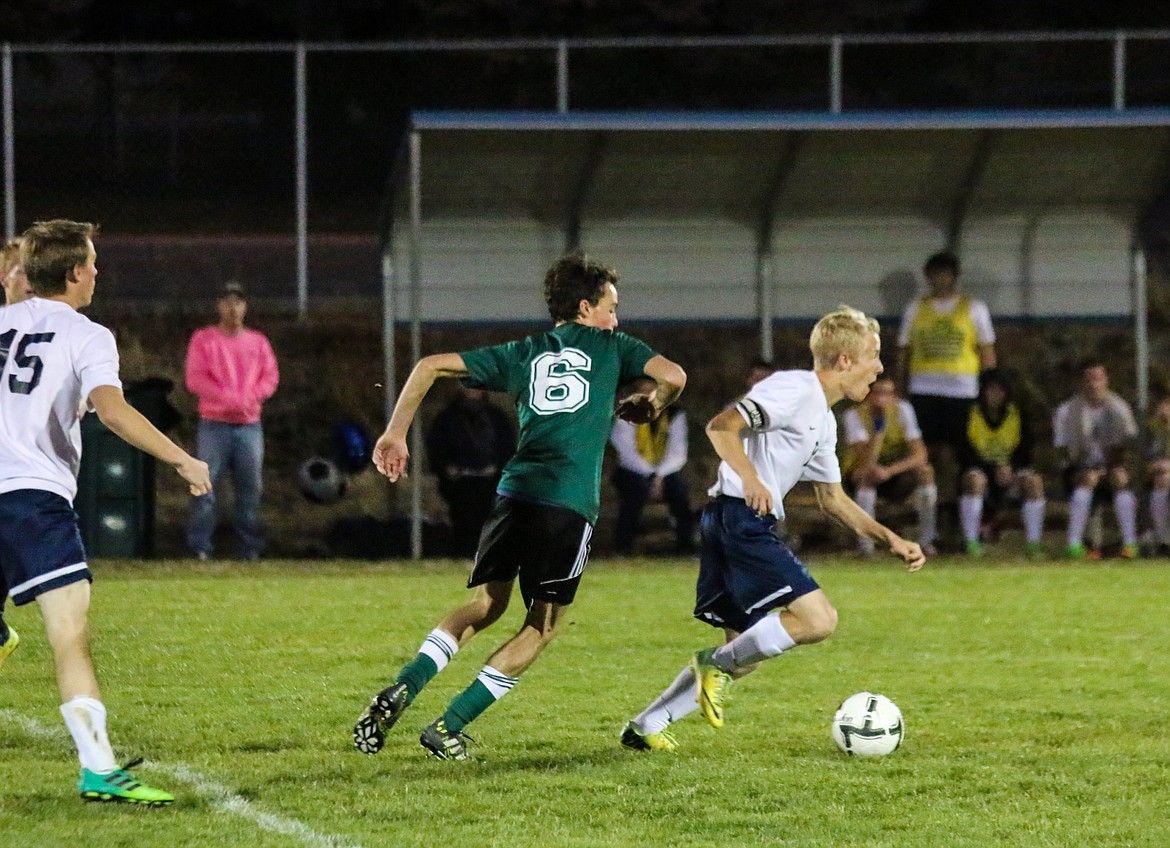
886 456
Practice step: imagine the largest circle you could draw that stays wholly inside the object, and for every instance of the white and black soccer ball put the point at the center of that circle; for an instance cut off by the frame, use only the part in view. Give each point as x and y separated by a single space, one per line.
321 481
868 725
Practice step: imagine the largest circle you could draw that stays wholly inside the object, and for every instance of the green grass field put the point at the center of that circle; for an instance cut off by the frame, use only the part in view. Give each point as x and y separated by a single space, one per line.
1035 700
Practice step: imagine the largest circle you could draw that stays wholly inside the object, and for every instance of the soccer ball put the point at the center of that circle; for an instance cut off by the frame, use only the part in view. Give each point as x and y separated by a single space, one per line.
321 481
868 725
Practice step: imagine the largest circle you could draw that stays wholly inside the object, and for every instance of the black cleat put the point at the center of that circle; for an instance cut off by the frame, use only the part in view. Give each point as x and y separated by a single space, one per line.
443 743
369 733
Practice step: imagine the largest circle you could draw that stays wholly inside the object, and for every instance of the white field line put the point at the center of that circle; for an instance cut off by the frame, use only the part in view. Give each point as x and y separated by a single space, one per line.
221 797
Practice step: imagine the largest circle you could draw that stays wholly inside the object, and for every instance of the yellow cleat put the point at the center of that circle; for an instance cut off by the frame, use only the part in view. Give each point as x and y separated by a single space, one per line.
711 685
9 645
660 741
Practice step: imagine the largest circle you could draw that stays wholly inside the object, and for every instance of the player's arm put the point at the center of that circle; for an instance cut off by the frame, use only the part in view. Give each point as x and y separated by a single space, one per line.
833 501
914 460
987 358
724 431
390 451
131 425
671 380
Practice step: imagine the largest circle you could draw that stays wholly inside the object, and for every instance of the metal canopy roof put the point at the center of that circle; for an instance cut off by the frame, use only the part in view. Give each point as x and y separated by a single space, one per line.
558 168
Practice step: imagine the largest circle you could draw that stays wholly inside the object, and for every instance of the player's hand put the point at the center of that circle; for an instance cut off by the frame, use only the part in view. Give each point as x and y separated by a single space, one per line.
757 495
638 409
910 553
197 475
391 455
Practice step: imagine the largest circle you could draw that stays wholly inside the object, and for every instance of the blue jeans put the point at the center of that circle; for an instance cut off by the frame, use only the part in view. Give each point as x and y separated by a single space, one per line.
239 449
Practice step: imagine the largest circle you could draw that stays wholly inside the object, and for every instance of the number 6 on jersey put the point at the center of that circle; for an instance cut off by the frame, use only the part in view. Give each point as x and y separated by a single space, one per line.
556 384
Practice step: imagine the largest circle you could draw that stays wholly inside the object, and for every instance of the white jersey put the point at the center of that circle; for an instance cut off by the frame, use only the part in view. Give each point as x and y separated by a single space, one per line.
793 437
51 358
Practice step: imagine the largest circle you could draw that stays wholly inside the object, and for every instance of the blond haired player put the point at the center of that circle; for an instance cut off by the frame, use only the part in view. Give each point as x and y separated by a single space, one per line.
750 584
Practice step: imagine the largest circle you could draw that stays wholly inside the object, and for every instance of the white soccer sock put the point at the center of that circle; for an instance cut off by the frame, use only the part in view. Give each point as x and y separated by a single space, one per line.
926 501
86 720
678 700
496 682
765 639
1078 514
971 516
1160 515
866 498
1125 506
440 647
1033 514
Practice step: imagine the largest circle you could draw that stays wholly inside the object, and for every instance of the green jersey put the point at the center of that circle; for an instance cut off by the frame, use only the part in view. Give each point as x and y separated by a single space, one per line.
565 382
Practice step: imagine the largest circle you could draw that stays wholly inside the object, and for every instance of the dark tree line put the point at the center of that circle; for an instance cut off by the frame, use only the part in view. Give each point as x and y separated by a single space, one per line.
344 20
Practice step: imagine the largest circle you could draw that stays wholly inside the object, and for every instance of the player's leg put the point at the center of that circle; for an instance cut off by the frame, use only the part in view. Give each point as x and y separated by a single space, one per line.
489 602
444 737
973 491
1125 508
9 638
65 611
674 491
1031 487
247 463
1160 504
212 444
865 495
551 546
648 729
633 491
926 505
1080 503
763 574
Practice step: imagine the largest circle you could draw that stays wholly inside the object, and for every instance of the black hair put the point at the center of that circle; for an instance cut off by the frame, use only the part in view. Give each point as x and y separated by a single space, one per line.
944 260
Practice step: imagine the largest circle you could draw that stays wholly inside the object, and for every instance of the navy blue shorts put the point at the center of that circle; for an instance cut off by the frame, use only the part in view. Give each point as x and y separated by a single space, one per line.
40 544
745 572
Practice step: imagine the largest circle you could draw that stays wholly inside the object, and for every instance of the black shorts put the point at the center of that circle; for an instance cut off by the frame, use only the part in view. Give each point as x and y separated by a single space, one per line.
546 545
942 419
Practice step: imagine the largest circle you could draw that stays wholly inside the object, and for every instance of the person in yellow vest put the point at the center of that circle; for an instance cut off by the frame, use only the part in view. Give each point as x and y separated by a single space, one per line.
1158 472
885 456
945 341
998 459
651 458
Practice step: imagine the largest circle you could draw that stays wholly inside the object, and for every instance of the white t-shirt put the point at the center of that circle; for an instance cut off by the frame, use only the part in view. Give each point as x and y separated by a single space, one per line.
792 437
948 385
855 429
52 357
1094 445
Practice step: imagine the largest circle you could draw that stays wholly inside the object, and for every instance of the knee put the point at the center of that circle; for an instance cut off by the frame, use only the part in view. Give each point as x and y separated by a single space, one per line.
1032 485
974 483
924 476
1119 478
817 624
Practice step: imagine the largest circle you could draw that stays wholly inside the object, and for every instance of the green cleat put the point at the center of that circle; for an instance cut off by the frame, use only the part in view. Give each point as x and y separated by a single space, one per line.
9 645
661 741
1034 550
369 733
119 786
1075 551
443 743
711 685
974 548
1130 551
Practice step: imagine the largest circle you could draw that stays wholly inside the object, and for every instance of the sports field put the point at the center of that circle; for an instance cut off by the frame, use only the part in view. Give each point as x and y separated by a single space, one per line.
1035 699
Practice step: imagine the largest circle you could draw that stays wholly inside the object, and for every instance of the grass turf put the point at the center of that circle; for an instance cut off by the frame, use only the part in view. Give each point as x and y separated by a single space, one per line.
1034 698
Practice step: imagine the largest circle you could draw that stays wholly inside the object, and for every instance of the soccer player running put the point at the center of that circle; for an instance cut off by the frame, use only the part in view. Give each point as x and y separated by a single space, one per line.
565 382
783 431
52 360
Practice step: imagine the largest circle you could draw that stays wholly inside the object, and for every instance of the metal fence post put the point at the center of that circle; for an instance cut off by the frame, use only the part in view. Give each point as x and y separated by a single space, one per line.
9 145
302 181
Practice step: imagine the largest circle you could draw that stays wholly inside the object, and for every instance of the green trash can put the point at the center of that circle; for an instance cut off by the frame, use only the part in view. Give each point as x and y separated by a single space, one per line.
115 485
